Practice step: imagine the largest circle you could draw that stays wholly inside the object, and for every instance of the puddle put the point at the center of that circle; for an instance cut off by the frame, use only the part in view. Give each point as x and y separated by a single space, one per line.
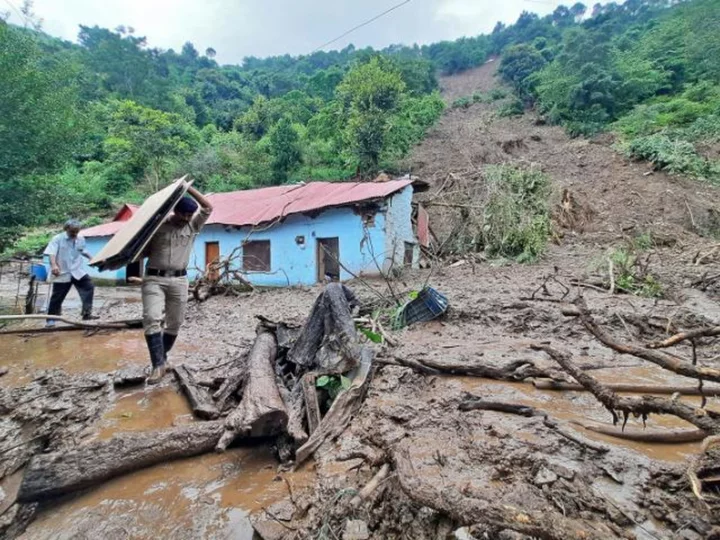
210 496
206 497
583 407
71 351
144 410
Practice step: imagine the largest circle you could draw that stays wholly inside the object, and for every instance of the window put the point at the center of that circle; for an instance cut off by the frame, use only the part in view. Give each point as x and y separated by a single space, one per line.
256 256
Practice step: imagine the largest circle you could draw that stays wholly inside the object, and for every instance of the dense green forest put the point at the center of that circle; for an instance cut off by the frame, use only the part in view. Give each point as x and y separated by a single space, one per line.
108 119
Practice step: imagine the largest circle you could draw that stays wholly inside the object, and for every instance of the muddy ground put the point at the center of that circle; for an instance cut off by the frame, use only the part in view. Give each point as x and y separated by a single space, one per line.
444 472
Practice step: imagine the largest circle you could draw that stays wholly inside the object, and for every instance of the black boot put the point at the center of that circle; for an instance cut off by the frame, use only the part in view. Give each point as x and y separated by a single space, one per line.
157 356
168 342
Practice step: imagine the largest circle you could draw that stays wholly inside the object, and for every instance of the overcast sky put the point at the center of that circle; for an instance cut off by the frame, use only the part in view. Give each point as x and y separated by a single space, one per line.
239 28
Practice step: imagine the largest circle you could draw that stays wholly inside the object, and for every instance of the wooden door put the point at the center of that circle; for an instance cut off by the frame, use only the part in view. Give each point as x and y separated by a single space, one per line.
212 255
328 258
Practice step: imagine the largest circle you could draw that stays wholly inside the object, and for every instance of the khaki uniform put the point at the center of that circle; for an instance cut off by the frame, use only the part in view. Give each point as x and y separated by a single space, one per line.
169 250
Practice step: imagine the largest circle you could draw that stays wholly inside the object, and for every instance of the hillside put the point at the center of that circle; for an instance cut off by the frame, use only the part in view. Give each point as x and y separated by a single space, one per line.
624 197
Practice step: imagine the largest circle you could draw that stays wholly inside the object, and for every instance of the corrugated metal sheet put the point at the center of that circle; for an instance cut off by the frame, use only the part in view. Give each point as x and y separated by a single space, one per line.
258 206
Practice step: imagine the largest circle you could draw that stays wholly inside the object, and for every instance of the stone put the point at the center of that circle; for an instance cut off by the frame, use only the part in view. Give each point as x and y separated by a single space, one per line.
129 376
356 529
545 476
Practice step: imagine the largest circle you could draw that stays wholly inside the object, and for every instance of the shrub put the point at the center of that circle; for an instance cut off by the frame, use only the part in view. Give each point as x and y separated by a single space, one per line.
462 103
496 94
673 156
514 108
32 243
516 218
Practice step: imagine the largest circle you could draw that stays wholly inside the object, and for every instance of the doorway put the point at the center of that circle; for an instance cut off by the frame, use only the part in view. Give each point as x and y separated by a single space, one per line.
212 255
328 259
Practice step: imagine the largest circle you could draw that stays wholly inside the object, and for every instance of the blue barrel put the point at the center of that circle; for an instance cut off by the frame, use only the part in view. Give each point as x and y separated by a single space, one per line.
39 271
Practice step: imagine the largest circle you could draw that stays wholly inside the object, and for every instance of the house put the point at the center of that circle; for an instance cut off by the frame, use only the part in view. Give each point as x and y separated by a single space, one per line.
296 234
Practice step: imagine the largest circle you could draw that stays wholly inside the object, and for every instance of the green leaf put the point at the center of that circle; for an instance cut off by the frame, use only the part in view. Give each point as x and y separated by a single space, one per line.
372 336
345 382
413 295
322 381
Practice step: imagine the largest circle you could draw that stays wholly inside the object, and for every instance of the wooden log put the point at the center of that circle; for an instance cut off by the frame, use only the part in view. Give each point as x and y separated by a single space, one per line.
670 436
261 411
200 401
312 406
118 325
706 420
549 384
658 357
234 384
295 403
513 371
59 473
341 412
328 340
473 403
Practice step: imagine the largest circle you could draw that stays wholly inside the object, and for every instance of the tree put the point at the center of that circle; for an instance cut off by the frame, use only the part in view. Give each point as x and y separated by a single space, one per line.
369 93
285 150
142 142
518 63
578 11
40 125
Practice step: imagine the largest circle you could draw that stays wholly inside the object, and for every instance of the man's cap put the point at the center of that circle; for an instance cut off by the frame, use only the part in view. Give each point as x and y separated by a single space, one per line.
186 205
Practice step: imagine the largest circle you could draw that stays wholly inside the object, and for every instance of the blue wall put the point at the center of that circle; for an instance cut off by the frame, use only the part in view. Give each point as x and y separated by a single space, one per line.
363 247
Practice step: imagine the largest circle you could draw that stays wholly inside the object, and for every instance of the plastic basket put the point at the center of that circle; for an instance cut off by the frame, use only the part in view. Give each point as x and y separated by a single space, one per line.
428 305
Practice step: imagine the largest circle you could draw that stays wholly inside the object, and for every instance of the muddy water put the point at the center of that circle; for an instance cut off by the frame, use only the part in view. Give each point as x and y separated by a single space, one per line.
71 351
209 496
583 407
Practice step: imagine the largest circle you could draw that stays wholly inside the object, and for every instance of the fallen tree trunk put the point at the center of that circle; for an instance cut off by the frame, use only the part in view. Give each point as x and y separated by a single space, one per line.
660 358
52 475
549 384
200 401
261 411
674 436
704 419
232 385
77 325
683 336
513 371
341 411
312 406
465 510
328 340
474 403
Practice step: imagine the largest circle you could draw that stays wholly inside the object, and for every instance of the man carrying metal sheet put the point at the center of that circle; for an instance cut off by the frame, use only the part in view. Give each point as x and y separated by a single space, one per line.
66 251
165 284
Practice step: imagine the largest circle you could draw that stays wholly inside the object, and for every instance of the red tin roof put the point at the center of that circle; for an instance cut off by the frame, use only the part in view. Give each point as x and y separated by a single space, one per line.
256 206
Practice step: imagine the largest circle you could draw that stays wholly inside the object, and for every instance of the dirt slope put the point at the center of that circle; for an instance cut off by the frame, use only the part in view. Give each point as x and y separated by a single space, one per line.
627 196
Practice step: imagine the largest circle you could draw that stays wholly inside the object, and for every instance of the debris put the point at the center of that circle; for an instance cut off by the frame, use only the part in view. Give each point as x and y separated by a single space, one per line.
130 376
356 529
545 476
200 401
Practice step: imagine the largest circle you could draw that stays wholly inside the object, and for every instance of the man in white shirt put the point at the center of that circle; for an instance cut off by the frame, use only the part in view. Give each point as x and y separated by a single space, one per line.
66 251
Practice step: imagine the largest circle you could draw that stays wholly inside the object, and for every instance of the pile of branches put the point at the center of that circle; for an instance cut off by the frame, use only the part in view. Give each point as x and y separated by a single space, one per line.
221 278
706 421
270 392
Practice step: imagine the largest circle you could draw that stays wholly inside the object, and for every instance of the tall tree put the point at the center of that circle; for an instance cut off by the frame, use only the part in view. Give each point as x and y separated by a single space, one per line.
370 93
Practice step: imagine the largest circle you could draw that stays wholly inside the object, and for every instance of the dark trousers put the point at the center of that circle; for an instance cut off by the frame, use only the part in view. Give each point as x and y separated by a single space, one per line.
85 289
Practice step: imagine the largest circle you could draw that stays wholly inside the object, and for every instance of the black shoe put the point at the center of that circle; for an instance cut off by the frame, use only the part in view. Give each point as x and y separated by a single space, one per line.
88 317
155 347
